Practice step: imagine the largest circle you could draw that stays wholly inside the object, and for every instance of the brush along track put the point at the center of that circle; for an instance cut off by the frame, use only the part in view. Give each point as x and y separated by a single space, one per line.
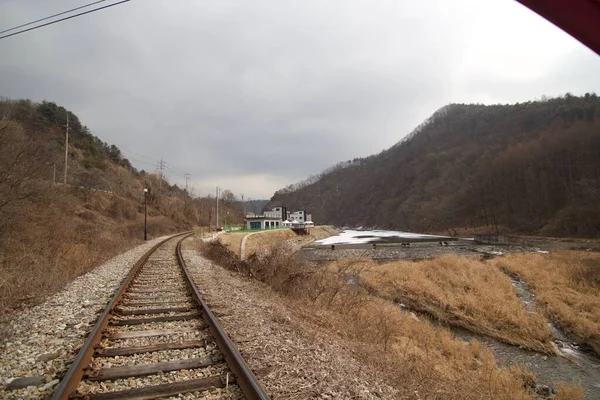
158 339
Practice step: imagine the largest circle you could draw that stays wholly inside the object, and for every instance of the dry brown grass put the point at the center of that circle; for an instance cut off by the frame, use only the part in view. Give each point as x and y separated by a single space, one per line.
50 234
422 361
463 292
233 240
264 242
569 392
323 231
51 243
49 247
567 286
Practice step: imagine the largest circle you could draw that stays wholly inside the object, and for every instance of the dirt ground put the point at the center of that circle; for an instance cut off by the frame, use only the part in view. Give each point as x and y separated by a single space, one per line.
266 239
292 358
233 240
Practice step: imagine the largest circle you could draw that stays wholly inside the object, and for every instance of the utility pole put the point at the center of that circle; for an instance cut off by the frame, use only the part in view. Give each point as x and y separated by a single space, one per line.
145 214
217 208
66 151
161 167
202 214
186 176
243 205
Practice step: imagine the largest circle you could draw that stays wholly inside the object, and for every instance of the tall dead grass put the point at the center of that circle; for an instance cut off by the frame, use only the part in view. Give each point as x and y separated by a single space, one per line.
49 247
567 286
420 360
463 292
233 240
263 242
568 392
266 241
51 234
50 243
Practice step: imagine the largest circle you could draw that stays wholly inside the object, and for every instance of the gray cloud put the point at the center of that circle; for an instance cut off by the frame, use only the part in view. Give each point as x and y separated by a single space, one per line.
255 95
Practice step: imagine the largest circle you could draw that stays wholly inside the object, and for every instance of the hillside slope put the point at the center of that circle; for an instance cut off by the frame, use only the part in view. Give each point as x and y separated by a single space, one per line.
51 233
532 167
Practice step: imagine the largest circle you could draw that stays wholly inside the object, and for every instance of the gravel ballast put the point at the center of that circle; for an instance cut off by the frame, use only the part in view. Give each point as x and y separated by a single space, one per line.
43 341
291 358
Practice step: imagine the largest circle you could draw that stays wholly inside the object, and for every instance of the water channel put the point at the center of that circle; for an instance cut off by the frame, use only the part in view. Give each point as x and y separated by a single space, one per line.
574 365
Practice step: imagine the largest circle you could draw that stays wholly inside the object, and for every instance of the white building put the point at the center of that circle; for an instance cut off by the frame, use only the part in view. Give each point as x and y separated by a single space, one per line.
277 217
300 216
262 222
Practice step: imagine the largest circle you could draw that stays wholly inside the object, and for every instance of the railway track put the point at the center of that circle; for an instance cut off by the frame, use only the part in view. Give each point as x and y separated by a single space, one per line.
158 339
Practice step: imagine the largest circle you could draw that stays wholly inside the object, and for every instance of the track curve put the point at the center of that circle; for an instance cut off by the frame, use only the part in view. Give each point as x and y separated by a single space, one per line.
157 338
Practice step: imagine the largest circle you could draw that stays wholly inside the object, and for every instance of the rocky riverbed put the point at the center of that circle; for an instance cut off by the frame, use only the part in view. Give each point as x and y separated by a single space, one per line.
414 251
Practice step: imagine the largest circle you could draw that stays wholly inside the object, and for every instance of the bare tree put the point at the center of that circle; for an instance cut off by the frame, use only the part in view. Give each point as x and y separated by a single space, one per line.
21 164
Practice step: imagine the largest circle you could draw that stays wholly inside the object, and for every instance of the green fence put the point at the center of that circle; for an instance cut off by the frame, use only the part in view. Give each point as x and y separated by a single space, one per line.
245 229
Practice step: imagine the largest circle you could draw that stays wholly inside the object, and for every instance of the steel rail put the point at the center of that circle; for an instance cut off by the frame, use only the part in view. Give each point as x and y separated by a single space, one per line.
244 377
69 383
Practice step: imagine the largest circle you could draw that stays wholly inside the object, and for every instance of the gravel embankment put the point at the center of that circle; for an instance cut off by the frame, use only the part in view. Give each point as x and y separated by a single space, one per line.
416 251
290 357
43 341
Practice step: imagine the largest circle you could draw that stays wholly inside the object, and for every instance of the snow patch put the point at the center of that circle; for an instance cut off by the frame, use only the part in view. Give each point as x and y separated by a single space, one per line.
362 237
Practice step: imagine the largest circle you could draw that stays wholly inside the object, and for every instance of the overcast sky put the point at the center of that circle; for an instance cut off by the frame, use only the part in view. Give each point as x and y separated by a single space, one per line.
254 95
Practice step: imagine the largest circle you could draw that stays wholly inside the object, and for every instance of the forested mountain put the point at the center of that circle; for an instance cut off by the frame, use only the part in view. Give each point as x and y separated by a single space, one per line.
530 168
49 232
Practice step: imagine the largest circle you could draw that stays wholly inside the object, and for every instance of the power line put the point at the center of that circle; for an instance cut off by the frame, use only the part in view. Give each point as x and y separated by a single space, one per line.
63 19
128 153
140 161
52 16
156 163
173 168
161 164
138 156
134 155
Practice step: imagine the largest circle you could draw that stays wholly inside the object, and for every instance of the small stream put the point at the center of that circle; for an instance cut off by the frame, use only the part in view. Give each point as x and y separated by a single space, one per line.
584 369
576 366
